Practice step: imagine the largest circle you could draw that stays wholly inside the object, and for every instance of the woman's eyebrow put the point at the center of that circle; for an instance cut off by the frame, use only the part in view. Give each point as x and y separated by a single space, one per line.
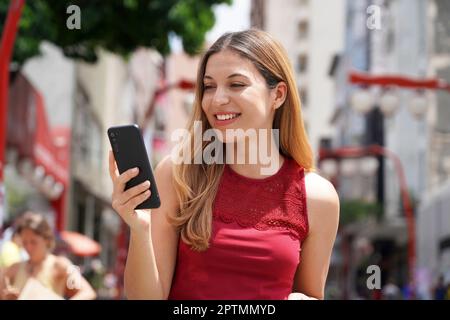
237 75
230 76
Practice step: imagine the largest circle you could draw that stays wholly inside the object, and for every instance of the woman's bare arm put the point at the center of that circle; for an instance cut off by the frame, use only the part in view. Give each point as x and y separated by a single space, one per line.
323 217
7 276
153 241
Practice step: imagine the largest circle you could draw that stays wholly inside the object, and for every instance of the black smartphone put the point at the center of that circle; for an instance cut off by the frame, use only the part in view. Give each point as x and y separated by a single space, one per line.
130 152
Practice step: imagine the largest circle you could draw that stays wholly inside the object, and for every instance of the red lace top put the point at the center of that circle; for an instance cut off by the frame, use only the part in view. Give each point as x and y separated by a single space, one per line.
258 228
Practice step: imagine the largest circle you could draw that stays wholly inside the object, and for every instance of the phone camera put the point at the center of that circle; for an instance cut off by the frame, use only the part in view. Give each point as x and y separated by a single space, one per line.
112 134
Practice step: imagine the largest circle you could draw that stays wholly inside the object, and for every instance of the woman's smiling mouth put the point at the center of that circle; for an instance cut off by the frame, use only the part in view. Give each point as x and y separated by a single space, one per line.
225 118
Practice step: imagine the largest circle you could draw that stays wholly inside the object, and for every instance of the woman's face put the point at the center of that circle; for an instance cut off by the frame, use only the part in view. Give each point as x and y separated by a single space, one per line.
236 95
35 245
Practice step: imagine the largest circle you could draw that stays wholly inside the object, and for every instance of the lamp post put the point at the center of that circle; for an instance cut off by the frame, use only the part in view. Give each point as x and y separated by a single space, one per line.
376 150
363 101
6 49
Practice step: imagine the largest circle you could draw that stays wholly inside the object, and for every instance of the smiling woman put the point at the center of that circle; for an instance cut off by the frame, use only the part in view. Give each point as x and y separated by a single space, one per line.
226 230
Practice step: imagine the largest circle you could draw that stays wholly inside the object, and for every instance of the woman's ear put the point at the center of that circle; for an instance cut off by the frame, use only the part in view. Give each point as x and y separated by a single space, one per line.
279 94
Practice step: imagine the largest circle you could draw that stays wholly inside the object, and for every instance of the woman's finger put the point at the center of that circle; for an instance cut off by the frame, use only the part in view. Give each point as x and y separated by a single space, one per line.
299 296
122 179
134 202
113 172
132 192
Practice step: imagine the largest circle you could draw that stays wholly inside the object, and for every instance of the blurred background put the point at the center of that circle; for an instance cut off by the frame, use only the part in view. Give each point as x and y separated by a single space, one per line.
373 77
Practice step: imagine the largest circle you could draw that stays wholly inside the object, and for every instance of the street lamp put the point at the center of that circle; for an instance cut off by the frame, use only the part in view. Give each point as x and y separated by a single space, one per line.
362 100
348 167
342 153
368 166
419 104
389 102
8 37
328 168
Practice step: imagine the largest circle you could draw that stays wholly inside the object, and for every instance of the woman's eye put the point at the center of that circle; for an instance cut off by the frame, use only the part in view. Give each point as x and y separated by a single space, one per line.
207 87
237 85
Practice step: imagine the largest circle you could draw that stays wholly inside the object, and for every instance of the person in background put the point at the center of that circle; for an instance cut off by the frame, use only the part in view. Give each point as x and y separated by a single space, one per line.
391 291
440 291
53 272
12 251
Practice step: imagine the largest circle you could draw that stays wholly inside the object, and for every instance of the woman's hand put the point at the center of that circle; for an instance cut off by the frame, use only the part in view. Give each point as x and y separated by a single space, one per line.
10 293
300 296
125 202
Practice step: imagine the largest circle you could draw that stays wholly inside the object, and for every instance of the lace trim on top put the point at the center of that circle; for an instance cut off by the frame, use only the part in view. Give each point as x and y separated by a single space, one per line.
276 202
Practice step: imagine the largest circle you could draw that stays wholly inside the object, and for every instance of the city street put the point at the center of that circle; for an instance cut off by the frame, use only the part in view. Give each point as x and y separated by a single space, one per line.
373 82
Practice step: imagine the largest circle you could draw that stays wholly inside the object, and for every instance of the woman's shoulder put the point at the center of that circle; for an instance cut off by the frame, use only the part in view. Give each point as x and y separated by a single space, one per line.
164 169
322 200
319 189
165 164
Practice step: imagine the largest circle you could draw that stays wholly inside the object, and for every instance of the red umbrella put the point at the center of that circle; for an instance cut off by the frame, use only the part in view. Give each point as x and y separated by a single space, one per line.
80 245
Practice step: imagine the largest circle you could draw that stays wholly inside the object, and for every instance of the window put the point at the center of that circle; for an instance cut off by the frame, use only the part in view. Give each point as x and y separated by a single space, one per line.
302 63
303 29
87 132
303 96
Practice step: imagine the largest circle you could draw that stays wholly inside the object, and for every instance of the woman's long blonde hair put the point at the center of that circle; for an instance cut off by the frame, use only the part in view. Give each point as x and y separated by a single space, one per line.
196 184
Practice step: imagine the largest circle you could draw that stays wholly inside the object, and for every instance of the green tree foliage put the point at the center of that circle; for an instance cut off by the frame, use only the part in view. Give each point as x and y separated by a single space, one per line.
355 210
119 26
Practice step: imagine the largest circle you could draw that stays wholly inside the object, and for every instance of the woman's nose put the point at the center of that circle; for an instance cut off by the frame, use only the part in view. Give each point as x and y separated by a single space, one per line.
220 97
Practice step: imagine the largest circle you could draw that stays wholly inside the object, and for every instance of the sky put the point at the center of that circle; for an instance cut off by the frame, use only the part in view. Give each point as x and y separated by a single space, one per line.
228 18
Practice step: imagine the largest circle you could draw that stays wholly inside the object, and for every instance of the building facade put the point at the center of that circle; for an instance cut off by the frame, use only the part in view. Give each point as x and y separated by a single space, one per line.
311 36
109 93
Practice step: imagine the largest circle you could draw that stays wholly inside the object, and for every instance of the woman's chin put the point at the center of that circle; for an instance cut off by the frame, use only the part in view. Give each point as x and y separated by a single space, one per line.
230 135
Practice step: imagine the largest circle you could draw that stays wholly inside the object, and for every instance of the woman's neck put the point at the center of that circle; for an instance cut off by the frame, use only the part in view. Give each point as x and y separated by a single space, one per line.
37 260
255 157
258 170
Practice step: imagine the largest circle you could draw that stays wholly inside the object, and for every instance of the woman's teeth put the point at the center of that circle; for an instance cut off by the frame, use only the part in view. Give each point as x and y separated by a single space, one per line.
227 116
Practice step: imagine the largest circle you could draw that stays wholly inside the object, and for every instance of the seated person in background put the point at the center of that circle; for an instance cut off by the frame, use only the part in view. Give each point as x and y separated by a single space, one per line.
55 273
